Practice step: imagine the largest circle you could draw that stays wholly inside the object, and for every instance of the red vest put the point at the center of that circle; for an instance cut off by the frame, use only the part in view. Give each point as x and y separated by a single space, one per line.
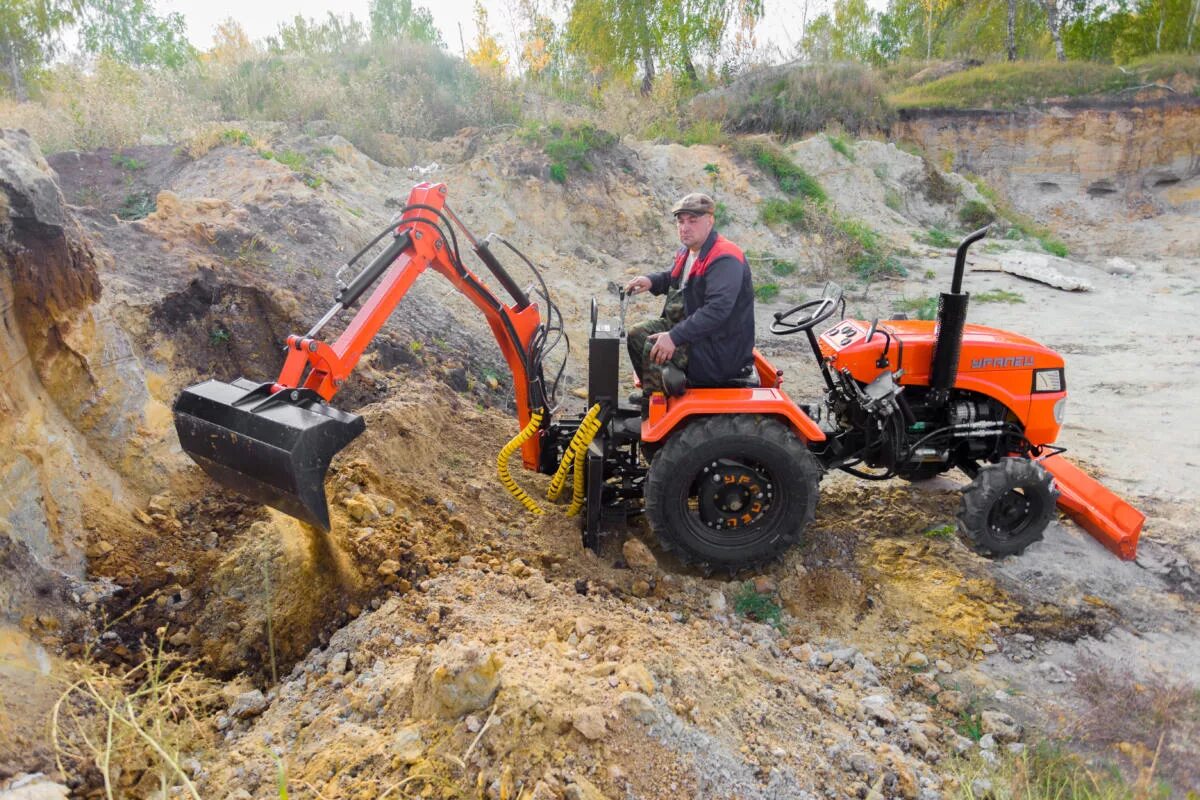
720 248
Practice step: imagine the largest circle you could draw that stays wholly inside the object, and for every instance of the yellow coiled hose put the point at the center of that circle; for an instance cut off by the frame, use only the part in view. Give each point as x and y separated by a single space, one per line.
581 439
506 478
587 429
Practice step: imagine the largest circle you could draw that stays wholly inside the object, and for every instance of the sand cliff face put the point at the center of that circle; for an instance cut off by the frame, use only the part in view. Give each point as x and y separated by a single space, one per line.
1084 164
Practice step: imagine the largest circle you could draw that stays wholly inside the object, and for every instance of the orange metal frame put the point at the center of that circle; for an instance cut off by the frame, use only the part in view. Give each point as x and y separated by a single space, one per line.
767 399
328 366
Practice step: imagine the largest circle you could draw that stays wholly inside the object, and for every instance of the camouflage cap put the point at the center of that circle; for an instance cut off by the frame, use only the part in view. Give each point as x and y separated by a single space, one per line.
694 203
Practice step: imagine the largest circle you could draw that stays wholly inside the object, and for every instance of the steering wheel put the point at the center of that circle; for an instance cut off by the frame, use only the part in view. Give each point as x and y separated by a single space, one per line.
817 310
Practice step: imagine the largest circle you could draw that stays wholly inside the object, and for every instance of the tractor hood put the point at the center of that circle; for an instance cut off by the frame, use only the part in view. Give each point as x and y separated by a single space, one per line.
911 344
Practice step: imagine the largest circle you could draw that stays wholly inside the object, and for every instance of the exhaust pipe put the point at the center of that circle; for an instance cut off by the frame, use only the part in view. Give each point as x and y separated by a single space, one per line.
951 320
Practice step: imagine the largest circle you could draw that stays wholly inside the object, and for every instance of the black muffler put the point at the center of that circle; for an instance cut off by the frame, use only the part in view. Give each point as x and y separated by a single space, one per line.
274 448
951 321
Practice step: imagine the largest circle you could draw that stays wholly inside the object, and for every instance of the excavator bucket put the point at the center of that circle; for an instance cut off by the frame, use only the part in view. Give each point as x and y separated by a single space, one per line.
271 447
1109 519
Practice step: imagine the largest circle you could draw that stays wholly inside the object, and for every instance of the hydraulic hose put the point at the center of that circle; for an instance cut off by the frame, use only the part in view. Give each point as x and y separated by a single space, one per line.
579 441
588 430
506 478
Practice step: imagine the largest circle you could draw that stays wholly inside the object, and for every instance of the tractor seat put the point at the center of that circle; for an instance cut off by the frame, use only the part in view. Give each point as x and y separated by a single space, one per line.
676 382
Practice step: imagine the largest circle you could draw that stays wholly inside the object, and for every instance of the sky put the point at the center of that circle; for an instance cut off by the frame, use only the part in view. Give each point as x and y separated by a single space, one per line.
779 27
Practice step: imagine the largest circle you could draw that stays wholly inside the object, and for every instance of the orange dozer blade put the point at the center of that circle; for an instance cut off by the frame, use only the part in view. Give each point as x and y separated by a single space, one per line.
1109 519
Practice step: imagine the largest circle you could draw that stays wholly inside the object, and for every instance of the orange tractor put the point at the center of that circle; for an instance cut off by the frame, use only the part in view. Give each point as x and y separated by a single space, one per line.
727 475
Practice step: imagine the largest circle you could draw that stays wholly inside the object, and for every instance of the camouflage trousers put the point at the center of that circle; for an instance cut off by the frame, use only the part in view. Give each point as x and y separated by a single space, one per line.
640 344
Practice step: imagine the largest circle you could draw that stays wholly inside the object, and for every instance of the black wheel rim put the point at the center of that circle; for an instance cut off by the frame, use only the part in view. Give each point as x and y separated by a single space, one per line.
1013 514
731 500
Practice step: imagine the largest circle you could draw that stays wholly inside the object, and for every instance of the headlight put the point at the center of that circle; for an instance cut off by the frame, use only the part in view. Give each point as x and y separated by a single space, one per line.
1060 410
1048 380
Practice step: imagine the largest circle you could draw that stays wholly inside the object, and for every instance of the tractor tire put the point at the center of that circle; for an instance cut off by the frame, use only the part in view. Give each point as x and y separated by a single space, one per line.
1007 507
731 492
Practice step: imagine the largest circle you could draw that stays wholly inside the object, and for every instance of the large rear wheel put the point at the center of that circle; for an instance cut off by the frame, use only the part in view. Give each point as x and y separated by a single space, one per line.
730 492
1007 506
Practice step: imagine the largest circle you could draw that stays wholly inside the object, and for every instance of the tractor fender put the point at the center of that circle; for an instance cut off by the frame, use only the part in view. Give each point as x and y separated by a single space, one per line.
666 416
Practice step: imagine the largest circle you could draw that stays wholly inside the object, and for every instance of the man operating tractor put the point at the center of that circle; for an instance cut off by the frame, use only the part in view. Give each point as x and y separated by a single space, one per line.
706 330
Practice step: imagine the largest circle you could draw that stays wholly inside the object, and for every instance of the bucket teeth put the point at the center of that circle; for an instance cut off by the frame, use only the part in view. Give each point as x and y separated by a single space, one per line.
273 453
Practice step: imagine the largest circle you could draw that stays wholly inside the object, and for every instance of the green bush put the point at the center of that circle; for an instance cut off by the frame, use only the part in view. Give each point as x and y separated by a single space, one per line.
721 216
922 307
128 163
841 146
137 205
790 177
975 214
796 100
758 607
766 292
936 237
569 147
704 131
782 268
777 211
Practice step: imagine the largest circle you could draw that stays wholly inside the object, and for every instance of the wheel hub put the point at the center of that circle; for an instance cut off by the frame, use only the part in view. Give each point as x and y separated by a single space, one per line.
1009 514
732 495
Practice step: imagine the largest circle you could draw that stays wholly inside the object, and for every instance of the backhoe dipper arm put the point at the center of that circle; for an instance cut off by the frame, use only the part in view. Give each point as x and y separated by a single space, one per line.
419 243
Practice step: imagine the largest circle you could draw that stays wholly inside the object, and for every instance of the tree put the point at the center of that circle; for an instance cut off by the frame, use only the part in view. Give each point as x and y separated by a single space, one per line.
130 32
28 37
1010 41
309 37
399 19
628 33
1054 22
930 8
231 45
540 45
486 55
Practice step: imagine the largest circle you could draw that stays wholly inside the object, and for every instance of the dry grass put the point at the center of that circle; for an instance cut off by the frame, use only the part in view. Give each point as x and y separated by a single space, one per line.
129 729
1153 723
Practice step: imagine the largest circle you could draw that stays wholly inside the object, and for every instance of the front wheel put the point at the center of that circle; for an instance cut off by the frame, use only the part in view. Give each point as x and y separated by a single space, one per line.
732 491
1007 506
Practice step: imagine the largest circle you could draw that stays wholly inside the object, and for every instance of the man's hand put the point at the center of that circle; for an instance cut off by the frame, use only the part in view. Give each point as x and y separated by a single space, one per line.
638 285
663 348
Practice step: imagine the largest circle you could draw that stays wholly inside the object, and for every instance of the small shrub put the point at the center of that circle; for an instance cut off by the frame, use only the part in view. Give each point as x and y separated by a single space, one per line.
870 266
936 237
236 136
721 216
841 146
881 171
137 205
1053 246
569 147
930 274
704 132
922 307
296 162
777 211
218 336
790 177
766 292
758 607
796 100
998 296
122 161
975 214
892 199
942 531
782 268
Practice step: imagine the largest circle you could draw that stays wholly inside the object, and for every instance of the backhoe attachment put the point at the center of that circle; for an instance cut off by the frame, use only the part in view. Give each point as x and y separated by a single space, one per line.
273 442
